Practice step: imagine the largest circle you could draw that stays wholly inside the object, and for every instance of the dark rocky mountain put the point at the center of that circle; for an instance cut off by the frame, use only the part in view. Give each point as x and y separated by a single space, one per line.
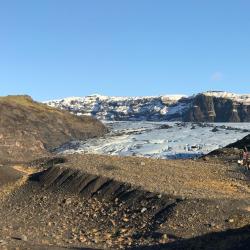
209 108
29 129
204 107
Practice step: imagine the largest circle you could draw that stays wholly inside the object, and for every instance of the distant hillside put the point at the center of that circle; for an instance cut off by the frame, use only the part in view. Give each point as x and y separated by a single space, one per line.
213 106
29 129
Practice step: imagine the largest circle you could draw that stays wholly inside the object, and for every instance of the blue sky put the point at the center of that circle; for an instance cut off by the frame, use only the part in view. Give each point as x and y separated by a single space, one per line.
58 48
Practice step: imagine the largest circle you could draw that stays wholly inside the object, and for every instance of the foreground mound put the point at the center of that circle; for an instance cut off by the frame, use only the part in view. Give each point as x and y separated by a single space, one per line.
107 202
29 129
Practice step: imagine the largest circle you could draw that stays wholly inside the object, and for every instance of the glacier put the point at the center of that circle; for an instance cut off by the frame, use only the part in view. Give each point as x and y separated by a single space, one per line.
164 140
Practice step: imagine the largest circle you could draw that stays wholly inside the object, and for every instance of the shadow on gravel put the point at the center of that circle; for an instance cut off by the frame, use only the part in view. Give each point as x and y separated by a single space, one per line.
50 248
43 247
235 239
244 171
47 162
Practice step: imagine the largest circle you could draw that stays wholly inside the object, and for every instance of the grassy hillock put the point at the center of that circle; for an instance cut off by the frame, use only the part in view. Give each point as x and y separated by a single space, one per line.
29 129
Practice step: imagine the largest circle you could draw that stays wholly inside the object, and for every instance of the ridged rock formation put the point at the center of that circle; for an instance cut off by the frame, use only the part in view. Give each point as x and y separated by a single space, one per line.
148 208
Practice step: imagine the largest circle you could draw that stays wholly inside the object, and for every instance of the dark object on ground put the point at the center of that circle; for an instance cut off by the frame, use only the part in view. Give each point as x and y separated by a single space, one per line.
215 129
165 126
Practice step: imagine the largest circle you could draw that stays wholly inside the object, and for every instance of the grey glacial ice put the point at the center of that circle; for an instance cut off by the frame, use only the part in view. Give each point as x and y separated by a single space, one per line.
165 140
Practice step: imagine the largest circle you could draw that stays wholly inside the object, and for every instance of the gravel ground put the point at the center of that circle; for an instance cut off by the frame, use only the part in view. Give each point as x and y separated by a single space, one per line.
186 178
196 198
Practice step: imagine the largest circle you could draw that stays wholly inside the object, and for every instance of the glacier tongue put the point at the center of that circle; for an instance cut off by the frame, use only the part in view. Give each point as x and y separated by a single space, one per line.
166 140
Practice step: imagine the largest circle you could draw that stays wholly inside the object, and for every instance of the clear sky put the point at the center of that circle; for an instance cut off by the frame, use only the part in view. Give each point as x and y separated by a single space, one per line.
57 48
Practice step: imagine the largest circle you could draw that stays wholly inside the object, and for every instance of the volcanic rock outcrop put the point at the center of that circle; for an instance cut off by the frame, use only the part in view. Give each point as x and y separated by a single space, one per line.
215 108
241 144
233 151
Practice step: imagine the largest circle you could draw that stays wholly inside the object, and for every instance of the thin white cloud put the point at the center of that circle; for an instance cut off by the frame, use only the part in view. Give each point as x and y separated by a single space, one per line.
217 76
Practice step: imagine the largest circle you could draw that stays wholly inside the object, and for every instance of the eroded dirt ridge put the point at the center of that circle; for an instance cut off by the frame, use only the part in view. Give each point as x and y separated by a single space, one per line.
146 208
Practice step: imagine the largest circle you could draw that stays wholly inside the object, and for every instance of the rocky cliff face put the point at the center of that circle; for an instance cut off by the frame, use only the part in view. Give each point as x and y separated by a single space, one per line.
203 107
29 129
213 108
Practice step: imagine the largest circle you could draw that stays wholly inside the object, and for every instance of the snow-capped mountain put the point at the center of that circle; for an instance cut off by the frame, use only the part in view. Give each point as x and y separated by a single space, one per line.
122 108
213 106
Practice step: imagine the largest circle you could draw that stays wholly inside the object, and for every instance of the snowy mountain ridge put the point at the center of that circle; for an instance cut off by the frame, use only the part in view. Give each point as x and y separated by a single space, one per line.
121 108
240 98
200 107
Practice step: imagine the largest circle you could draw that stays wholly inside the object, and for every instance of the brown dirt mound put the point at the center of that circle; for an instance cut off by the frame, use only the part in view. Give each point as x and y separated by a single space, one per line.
29 129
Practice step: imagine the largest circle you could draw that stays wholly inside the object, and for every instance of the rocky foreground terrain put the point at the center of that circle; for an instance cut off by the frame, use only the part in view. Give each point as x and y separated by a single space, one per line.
211 106
105 202
89 201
